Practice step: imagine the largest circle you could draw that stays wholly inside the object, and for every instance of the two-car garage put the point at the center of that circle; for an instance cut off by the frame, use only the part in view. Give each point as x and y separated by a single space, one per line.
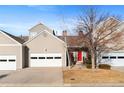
114 59
46 50
46 60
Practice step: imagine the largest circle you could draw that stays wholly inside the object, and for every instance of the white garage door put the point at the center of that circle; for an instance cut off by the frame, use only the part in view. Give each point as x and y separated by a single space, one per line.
8 62
46 60
114 59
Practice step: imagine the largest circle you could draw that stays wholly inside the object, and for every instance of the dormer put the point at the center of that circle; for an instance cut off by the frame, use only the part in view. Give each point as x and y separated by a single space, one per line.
37 29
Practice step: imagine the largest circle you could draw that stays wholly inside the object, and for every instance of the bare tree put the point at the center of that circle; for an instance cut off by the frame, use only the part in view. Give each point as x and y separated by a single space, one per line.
103 32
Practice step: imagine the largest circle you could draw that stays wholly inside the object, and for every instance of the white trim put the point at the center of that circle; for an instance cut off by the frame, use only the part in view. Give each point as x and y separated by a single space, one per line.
49 34
39 24
9 45
32 38
34 26
9 37
56 37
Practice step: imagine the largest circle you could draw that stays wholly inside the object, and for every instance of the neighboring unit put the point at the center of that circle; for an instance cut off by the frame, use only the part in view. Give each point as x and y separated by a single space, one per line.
11 52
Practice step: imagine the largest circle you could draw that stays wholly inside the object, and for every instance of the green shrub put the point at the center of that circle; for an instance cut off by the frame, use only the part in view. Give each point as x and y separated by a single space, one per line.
104 66
89 66
88 61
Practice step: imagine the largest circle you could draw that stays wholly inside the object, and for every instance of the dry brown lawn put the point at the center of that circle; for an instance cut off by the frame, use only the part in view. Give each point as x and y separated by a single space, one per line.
93 76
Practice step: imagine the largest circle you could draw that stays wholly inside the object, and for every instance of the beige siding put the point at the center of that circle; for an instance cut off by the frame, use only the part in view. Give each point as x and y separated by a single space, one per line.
45 43
5 40
39 28
13 50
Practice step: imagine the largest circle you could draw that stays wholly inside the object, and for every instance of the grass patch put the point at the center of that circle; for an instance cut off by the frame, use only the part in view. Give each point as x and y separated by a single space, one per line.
93 76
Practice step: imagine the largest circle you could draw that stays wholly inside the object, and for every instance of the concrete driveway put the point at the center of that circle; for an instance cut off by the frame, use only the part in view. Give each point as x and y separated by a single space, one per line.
34 77
6 72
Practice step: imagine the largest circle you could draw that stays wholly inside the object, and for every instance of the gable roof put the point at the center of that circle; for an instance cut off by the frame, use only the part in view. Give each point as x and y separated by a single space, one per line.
24 38
42 26
73 41
49 34
14 38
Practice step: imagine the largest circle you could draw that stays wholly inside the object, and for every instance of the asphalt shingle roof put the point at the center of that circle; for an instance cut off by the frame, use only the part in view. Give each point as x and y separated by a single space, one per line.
14 37
73 41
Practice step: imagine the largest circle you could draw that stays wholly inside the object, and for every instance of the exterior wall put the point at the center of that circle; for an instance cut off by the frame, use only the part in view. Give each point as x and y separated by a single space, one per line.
39 28
34 31
13 50
45 43
5 40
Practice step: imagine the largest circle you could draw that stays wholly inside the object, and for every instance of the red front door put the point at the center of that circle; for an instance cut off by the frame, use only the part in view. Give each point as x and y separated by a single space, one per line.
80 56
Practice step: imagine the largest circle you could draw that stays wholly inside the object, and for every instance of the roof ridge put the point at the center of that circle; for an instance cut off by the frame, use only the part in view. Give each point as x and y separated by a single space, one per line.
39 24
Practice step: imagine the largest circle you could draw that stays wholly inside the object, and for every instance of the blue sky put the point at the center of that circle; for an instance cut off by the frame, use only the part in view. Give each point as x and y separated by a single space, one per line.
18 19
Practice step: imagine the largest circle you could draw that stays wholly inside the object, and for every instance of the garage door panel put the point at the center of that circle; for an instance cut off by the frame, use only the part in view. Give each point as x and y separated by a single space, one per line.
114 59
8 62
118 62
46 60
45 64
7 66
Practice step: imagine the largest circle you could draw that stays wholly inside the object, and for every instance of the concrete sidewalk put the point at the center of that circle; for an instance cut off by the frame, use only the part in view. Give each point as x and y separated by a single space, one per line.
95 85
119 68
34 77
